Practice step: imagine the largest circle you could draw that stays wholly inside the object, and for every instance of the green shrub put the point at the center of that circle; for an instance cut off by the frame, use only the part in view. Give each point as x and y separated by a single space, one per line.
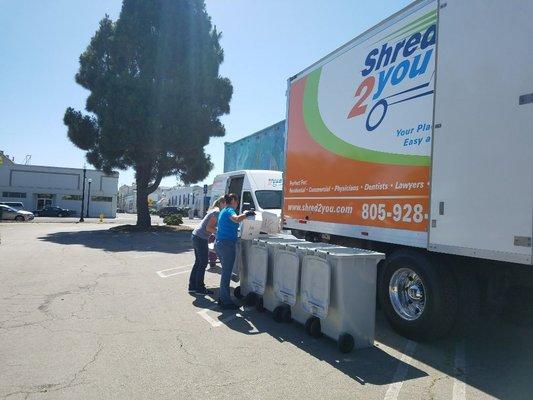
173 219
184 212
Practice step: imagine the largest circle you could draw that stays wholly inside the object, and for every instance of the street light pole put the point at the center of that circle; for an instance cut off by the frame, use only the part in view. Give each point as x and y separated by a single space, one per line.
88 196
83 195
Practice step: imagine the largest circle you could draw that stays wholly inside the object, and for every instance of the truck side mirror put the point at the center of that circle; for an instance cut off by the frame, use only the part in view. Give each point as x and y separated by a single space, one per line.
246 207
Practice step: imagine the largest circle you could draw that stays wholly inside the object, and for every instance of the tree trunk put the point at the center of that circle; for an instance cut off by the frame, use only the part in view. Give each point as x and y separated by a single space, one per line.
144 188
143 215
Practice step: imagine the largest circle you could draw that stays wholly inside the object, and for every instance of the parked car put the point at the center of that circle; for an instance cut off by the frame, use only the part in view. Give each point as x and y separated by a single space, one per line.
10 213
17 205
54 211
168 211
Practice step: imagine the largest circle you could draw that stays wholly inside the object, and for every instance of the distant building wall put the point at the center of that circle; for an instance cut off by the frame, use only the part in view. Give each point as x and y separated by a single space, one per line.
37 186
261 150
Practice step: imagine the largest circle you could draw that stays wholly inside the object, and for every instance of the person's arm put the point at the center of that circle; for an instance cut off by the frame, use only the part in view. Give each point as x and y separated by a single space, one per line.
212 224
238 218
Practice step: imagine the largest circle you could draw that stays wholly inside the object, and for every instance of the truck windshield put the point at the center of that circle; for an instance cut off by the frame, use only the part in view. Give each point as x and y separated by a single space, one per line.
268 199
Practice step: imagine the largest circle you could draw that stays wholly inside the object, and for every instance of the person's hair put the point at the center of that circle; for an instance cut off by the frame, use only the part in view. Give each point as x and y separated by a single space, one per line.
218 201
230 197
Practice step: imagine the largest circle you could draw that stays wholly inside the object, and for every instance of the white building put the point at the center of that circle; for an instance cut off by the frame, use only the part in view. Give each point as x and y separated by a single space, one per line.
38 186
127 198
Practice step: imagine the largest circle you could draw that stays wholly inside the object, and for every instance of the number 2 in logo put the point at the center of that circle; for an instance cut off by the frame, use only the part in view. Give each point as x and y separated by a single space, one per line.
364 90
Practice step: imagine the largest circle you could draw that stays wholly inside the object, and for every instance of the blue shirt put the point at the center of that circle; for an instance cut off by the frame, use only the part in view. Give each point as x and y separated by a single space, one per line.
227 229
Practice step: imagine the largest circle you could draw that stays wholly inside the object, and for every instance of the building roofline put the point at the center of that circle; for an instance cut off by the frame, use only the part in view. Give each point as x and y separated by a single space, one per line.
113 174
255 133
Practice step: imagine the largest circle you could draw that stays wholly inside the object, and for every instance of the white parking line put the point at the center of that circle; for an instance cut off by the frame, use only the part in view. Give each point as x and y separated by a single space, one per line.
459 385
401 371
165 273
215 323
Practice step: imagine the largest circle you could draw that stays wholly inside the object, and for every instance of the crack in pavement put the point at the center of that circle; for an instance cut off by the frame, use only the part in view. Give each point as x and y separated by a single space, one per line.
54 387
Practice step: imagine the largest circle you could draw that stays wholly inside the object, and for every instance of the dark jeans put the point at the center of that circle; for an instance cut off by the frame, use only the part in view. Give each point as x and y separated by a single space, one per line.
201 251
226 252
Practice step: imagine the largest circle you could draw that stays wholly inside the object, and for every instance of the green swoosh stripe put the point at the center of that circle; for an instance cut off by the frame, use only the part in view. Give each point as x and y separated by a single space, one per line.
417 28
429 15
323 136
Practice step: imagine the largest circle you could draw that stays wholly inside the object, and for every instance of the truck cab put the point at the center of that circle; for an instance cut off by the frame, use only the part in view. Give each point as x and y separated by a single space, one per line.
257 189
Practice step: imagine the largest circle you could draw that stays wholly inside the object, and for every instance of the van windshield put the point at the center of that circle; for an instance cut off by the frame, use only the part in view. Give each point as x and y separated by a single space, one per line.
268 199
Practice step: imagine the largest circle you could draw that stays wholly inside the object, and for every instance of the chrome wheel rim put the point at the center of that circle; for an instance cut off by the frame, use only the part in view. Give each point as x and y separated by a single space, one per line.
407 294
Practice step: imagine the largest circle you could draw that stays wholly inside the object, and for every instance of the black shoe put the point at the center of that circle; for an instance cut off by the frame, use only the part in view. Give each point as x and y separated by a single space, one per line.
204 291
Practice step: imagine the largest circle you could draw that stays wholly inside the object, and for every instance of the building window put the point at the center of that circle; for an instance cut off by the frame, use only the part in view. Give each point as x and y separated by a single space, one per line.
14 195
76 197
102 198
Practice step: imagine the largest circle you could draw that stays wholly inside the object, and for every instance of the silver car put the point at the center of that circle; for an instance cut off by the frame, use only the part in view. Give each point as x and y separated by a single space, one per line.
17 215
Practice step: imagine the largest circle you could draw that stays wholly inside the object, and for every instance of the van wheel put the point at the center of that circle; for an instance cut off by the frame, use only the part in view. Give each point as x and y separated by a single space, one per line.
418 295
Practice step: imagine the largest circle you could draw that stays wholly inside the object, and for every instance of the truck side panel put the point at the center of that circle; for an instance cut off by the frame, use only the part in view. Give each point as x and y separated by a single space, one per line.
482 176
360 131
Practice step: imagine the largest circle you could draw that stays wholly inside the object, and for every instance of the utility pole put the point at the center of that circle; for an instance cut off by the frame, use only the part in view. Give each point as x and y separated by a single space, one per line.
83 194
88 196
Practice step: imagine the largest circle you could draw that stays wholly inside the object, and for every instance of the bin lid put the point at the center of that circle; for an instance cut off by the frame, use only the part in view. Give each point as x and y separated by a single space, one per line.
312 245
350 252
281 239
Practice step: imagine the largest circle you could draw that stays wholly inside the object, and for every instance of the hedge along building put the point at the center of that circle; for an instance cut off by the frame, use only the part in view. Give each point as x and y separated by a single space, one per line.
38 186
264 149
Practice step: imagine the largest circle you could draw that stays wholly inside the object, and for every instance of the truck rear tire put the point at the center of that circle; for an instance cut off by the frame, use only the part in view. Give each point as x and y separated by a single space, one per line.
419 296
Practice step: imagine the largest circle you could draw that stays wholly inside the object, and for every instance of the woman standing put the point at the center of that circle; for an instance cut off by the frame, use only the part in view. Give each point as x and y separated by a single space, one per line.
199 238
226 238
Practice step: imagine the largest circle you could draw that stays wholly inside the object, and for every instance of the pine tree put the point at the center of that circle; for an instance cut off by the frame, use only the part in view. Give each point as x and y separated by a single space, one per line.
155 94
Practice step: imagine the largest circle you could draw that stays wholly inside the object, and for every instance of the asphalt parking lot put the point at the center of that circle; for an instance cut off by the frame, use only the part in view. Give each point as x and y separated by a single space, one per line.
88 313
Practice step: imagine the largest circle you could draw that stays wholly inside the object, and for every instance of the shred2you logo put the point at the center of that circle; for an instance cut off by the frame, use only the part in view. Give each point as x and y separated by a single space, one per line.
373 101
404 56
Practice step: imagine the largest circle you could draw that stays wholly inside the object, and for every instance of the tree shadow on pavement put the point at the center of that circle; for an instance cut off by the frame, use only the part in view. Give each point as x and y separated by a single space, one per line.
372 365
108 240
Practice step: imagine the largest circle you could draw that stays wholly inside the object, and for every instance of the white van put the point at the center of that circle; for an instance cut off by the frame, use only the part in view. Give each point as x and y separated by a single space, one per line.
257 189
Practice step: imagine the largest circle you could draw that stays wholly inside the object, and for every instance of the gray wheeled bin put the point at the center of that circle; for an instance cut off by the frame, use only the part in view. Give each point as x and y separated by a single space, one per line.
286 279
256 271
338 291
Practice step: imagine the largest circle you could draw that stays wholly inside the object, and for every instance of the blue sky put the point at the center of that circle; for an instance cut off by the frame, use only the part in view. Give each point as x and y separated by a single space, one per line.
265 42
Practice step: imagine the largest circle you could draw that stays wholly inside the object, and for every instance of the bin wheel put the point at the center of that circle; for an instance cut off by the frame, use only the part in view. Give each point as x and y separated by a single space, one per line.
237 293
312 327
259 304
286 314
277 314
345 343
250 299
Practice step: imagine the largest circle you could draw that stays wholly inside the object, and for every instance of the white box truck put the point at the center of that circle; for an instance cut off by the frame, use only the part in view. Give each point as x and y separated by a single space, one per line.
416 139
